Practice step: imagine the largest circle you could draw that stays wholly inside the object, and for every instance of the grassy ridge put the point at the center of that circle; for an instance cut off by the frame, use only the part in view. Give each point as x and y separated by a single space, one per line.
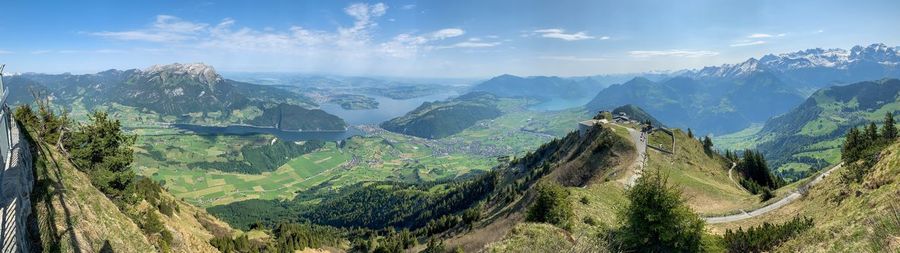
856 218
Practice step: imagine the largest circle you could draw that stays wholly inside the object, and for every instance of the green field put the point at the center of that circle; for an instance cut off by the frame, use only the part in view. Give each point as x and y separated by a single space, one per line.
166 155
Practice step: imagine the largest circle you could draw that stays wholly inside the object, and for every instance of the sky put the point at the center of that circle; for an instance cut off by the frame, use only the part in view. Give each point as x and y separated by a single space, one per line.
455 39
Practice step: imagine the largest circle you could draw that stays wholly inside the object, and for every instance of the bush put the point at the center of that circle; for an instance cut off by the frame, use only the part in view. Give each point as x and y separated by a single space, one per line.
590 221
552 206
658 220
764 237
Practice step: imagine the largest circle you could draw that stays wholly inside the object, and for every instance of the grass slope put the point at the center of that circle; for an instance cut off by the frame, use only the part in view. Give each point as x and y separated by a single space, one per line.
808 137
703 179
865 220
73 216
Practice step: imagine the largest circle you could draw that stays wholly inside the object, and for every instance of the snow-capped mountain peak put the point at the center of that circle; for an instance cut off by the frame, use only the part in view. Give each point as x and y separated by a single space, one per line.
806 59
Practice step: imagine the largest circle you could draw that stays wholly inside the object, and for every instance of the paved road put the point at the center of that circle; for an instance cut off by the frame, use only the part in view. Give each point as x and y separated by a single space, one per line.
771 207
640 142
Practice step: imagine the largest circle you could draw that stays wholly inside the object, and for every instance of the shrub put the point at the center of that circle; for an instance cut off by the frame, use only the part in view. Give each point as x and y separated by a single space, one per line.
552 206
658 220
764 237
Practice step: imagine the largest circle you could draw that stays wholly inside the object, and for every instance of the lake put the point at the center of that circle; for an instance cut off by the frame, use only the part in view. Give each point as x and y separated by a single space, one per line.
388 108
284 135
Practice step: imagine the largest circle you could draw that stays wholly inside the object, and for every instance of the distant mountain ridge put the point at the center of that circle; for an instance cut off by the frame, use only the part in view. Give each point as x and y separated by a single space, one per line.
540 87
440 119
192 93
728 98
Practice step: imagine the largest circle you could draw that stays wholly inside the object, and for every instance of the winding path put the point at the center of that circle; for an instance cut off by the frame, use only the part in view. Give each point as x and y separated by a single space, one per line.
796 194
730 172
640 143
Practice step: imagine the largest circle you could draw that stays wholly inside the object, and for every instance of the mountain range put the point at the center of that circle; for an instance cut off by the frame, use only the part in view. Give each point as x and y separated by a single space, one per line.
730 97
809 136
179 93
540 87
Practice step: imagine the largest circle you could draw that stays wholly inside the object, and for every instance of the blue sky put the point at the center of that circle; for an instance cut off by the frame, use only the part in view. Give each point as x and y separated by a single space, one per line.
430 38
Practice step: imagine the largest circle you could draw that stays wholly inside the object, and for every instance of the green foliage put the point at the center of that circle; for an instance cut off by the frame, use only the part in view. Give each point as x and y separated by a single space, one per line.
151 225
265 158
707 145
766 236
584 200
288 237
551 206
240 244
434 246
861 149
441 119
372 205
889 130
757 176
103 151
658 220
293 118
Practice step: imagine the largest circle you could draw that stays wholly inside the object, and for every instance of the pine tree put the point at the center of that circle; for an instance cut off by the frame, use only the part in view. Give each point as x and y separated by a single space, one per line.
690 133
657 218
707 144
872 132
852 146
889 131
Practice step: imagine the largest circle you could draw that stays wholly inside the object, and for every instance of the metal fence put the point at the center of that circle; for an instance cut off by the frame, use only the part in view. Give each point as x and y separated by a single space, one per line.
4 122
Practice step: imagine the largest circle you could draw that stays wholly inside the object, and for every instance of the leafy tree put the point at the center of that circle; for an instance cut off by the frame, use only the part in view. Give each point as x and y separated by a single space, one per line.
889 130
658 220
552 206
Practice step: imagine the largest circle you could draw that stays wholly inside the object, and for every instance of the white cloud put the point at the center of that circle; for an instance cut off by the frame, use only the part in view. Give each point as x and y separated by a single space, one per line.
557 33
408 45
748 43
672 53
472 44
5 52
447 33
41 51
165 29
344 43
765 35
408 7
604 38
759 36
573 58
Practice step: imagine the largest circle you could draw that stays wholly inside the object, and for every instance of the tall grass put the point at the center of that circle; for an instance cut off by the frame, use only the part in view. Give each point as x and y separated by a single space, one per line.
885 228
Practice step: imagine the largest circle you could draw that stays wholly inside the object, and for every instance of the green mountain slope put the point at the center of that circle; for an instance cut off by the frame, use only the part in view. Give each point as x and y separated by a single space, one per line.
71 215
178 93
808 137
707 105
440 119
854 217
539 87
